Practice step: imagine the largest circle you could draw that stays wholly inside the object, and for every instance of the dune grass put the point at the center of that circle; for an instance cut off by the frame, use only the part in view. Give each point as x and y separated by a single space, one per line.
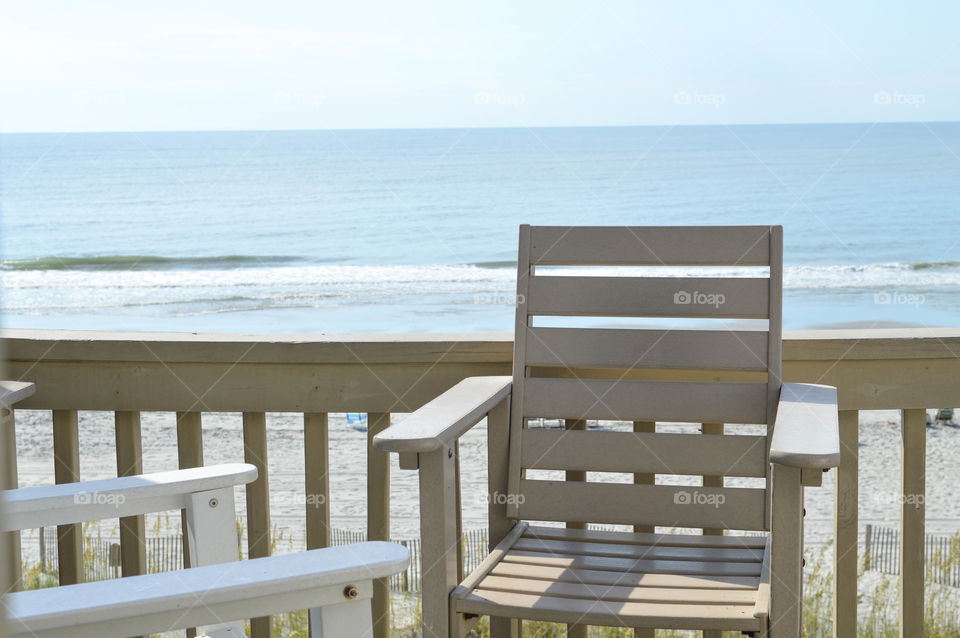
877 613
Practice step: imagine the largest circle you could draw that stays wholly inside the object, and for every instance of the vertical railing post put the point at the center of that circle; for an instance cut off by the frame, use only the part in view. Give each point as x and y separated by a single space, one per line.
66 469
644 478
316 463
846 500
378 516
258 502
498 446
11 580
10 554
189 454
133 554
710 481
912 511
576 631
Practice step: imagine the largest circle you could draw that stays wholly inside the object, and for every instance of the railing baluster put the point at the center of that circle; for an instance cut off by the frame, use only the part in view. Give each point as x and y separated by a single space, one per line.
846 527
66 469
911 522
498 443
644 478
316 481
378 516
8 476
189 454
133 555
576 630
258 502
316 463
708 481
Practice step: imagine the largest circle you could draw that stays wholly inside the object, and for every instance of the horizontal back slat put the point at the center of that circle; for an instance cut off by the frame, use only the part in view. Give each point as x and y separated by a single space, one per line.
625 504
646 245
627 400
667 349
658 453
719 297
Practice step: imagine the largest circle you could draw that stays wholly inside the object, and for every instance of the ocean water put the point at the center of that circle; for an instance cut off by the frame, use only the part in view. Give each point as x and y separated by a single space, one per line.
416 230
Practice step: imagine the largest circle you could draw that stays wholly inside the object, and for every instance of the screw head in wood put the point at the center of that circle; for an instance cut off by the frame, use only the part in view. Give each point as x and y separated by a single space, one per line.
350 592
214 502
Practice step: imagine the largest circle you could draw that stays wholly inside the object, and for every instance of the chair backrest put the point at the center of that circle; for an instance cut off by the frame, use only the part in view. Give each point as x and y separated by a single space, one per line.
645 375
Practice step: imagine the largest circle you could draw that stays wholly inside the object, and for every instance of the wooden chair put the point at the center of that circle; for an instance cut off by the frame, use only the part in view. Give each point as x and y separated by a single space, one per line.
708 580
336 584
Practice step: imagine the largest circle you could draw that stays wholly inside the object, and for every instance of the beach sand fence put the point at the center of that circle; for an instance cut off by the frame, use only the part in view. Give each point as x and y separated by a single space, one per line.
101 560
942 554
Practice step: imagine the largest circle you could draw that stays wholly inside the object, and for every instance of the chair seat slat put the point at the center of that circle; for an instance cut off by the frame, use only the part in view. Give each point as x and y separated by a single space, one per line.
594 612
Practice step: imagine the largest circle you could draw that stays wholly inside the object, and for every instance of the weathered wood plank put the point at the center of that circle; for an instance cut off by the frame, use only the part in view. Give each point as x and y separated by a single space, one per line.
632 579
846 527
650 245
713 297
378 515
66 469
660 540
316 452
635 348
622 400
258 502
658 453
619 593
627 504
133 551
912 512
627 614
786 549
651 552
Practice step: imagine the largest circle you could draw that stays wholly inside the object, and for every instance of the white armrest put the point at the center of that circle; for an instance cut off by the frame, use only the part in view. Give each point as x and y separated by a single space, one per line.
13 391
806 433
30 507
143 605
446 418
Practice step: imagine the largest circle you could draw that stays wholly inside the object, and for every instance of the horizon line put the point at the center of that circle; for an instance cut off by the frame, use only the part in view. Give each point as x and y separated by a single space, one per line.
461 128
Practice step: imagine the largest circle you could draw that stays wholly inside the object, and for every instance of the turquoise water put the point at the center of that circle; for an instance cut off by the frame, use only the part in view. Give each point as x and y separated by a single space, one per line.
400 231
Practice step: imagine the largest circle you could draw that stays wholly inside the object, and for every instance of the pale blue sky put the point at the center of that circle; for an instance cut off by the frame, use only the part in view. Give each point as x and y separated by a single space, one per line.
122 65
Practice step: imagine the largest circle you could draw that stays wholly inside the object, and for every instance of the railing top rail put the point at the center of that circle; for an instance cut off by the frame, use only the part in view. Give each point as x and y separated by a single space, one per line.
98 345
186 347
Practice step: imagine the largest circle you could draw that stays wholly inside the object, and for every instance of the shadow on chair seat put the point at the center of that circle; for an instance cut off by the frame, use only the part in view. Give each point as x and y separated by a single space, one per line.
669 581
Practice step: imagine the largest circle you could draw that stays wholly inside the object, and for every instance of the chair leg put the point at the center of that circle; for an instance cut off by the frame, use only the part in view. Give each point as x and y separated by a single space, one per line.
353 618
786 549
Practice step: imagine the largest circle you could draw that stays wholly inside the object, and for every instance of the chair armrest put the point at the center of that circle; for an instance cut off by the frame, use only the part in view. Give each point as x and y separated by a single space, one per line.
156 603
12 392
29 507
445 418
807 432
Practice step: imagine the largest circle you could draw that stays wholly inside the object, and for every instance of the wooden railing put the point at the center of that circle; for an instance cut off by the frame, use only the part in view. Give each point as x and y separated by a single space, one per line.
128 373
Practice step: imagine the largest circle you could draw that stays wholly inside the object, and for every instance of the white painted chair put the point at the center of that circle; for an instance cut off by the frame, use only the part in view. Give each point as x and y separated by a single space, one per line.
709 580
335 584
